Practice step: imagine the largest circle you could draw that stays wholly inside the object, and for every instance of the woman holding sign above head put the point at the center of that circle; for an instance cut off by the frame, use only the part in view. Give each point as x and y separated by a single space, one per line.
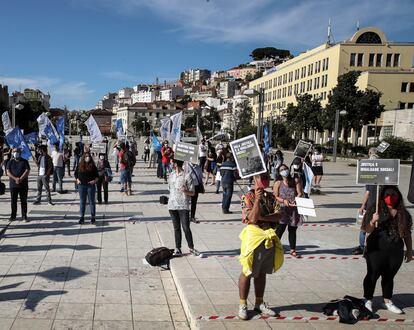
285 192
389 228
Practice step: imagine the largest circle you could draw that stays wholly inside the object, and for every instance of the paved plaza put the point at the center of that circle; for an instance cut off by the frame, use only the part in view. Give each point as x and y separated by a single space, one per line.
57 274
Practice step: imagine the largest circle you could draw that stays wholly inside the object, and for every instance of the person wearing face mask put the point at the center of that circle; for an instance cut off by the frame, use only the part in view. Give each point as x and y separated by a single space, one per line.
181 187
202 154
261 251
317 168
18 170
87 176
285 192
58 169
45 165
105 176
228 172
389 228
167 153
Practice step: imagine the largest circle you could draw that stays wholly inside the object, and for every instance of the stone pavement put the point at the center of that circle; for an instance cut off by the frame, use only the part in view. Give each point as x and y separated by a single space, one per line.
58 274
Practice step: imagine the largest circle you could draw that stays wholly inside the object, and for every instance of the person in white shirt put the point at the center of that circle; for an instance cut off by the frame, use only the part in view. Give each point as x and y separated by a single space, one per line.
317 168
58 169
202 154
45 165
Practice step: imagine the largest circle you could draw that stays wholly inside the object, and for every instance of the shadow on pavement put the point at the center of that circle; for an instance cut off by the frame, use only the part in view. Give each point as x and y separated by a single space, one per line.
234 252
18 248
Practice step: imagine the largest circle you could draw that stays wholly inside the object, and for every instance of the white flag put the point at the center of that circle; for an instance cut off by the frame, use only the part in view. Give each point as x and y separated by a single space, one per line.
176 127
42 121
93 129
307 170
6 122
165 129
199 135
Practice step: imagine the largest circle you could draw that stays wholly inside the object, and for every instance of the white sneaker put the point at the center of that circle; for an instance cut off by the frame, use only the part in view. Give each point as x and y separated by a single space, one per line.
264 309
177 253
196 253
368 305
392 308
243 312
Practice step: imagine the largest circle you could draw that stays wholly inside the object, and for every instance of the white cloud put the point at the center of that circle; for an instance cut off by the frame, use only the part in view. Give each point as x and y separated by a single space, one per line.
72 94
280 22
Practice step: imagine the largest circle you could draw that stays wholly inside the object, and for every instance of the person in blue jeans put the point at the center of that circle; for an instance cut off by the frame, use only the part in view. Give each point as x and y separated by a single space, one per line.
87 176
228 171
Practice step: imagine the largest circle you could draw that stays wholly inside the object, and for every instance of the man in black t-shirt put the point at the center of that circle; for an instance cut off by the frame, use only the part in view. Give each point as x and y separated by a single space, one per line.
18 170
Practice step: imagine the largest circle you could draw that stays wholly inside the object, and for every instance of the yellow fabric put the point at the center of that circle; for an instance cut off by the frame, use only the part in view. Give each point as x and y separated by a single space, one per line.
252 236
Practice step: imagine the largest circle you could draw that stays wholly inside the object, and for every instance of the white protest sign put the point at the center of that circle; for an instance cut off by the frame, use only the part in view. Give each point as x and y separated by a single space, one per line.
383 146
305 206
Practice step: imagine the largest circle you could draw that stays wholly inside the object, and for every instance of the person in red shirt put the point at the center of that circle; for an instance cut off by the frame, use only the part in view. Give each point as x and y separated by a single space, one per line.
167 154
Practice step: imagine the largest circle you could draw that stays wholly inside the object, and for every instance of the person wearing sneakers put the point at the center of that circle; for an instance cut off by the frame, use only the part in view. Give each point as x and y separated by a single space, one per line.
181 189
45 164
86 175
285 191
126 161
261 252
228 171
388 228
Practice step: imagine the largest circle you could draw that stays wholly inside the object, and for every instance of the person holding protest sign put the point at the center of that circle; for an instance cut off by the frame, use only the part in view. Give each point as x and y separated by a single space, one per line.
86 175
181 189
389 227
261 252
285 192
18 170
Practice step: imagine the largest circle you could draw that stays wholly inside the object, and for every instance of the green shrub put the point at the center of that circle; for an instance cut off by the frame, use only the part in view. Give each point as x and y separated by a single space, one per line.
399 148
286 142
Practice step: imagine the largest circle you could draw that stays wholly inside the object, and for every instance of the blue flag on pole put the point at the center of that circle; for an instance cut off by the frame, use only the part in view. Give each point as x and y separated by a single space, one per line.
266 139
15 139
50 134
32 138
155 142
60 127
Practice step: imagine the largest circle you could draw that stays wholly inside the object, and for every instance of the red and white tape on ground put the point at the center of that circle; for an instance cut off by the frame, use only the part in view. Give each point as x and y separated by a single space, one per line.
301 318
298 258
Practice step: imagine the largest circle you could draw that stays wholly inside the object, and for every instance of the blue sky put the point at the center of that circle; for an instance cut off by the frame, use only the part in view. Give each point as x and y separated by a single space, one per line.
78 50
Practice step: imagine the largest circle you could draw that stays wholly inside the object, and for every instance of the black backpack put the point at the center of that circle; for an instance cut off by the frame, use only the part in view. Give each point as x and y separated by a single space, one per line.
350 310
160 257
129 159
2 188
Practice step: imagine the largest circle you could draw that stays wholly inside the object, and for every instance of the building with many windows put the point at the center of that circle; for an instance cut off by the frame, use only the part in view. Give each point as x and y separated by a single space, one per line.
386 66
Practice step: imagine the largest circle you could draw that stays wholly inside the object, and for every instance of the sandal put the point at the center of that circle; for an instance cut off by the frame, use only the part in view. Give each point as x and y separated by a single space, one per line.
294 254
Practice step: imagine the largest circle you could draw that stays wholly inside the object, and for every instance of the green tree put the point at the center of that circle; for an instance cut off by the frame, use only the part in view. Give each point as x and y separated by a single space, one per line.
210 120
362 107
303 116
269 52
138 125
242 119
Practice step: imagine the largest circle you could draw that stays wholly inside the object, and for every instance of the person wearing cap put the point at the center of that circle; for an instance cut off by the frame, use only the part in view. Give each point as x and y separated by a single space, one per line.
261 252
18 170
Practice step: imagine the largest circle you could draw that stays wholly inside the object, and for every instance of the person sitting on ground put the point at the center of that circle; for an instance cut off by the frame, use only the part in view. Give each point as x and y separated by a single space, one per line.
181 189
388 228
261 252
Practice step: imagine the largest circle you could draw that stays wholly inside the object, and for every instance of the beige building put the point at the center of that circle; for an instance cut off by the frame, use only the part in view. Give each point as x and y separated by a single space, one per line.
386 67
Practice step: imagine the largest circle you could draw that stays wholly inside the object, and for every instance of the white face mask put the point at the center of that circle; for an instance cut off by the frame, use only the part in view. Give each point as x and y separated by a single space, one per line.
16 154
87 159
102 157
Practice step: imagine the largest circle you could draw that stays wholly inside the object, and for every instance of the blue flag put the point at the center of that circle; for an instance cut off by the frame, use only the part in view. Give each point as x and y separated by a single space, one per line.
15 139
266 139
118 127
32 138
155 142
60 127
50 134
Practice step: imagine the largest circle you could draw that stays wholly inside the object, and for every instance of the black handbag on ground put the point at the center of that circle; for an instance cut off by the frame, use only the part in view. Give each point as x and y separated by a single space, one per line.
163 200
160 257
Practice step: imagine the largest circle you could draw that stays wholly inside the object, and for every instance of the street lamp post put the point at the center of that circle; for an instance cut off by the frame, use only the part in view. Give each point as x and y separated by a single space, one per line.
337 113
260 93
16 107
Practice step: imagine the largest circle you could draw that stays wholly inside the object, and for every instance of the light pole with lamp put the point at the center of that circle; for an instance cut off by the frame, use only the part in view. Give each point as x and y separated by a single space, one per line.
16 107
342 113
251 93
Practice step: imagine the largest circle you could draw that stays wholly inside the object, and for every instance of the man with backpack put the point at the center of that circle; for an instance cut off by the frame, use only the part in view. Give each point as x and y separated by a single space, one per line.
127 163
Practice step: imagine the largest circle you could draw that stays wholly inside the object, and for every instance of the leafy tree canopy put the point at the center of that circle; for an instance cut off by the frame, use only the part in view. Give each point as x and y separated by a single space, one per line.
269 52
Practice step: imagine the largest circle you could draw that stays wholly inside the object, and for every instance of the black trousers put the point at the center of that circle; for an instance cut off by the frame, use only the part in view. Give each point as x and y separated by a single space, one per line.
193 205
99 185
15 192
292 234
182 217
385 262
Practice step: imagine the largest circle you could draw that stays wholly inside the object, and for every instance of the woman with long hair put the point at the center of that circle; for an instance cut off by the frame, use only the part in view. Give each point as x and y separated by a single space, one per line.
285 191
388 228
105 176
86 175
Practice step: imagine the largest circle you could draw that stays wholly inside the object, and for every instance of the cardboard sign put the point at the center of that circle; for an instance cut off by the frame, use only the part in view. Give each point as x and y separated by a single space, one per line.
302 149
305 206
249 159
378 171
186 152
383 146
98 148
